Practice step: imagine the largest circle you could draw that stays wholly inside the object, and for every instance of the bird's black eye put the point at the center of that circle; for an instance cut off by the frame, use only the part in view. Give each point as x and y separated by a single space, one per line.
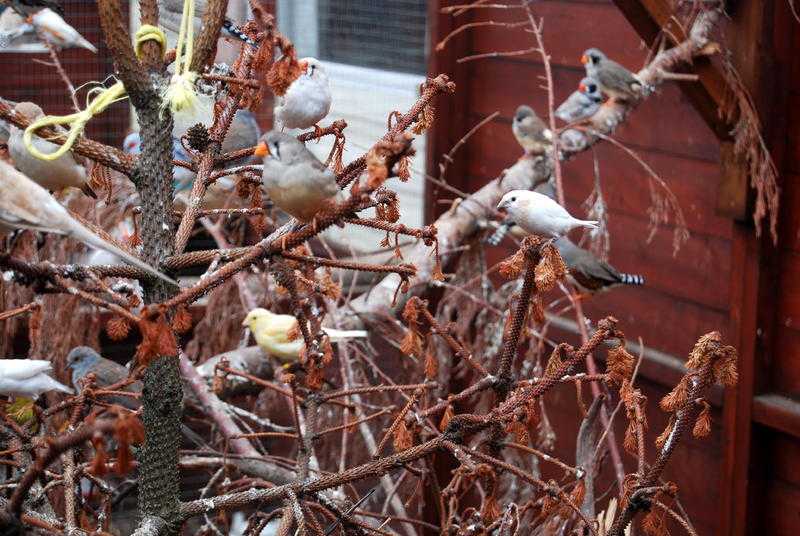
312 70
592 88
513 199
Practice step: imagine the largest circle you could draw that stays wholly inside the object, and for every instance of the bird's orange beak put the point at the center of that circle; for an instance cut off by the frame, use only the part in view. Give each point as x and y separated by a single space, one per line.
261 150
581 88
303 65
584 59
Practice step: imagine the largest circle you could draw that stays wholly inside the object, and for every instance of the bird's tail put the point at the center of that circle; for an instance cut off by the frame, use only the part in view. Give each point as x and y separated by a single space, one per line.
55 385
337 335
631 279
86 44
592 224
94 240
500 233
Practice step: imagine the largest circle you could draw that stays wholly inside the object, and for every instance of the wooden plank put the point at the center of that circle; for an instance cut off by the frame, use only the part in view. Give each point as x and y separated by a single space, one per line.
790 216
778 412
733 185
680 129
753 290
452 119
781 515
648 17
625 182
784 375
569 29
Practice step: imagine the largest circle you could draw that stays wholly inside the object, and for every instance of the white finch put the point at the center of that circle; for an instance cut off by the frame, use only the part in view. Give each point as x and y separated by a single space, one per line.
279 335
293 178
54 175
26 205
28 378
538 214
531 132
589 273
55 30
614 80
581 104
308 99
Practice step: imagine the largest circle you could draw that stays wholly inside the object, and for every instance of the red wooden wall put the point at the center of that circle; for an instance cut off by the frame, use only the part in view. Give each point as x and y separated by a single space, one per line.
25 77
746 476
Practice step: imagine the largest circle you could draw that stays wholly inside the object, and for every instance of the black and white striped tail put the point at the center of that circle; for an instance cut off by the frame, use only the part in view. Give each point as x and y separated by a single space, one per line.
234 31
631 279
497 237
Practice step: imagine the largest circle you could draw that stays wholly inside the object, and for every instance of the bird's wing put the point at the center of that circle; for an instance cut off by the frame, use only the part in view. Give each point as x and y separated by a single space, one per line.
21 369
276 327
565 110
20 218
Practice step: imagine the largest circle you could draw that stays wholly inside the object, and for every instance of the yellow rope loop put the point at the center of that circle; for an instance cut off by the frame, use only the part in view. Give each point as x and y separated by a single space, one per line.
180 94
148 32
97 100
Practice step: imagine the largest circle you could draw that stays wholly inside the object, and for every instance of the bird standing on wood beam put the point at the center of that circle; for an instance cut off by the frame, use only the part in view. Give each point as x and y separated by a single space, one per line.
581 104
531 132
615 81
295 180
538 214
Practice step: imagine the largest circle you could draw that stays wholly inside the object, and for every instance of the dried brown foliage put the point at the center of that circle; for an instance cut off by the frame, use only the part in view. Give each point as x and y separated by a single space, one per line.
461 382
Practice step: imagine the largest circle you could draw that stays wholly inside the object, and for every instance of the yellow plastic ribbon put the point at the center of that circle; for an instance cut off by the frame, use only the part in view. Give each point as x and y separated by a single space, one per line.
148 32
180 94
97 100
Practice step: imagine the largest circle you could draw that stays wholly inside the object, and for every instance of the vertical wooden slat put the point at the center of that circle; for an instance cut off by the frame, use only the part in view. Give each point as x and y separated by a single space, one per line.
452 111
757 47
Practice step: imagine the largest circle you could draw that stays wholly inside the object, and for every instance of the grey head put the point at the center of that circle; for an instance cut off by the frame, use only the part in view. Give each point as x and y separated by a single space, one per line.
81 360
284 147
523 112
593 57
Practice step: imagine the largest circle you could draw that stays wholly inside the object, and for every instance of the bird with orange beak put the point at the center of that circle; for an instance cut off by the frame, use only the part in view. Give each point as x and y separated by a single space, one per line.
295 180
615 81
581 104
308 99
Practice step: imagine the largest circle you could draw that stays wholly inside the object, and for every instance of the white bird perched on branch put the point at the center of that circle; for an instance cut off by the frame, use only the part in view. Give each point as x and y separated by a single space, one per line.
55 30
54 175
279 335
308 99
26 205
538 214
28 378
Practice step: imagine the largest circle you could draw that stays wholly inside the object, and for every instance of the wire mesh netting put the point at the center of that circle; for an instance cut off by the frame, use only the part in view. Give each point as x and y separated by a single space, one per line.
29 76
383 35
